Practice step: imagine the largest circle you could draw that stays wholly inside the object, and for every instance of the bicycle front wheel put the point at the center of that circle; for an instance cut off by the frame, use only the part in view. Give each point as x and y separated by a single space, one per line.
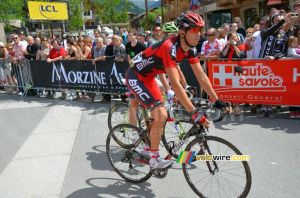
126 159
217 178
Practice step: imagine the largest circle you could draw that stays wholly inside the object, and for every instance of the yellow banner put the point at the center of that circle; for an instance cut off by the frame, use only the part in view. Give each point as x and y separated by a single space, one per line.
47 11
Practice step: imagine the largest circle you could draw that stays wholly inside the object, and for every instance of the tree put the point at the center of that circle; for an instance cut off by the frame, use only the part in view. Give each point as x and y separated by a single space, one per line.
151 18
9 10
113 11
76 20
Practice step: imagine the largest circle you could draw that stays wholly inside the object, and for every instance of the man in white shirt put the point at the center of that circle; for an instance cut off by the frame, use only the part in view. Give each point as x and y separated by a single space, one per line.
211 48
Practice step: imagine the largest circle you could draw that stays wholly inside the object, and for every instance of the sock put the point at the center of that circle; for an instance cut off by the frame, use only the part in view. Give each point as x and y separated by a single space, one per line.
154 153
146 147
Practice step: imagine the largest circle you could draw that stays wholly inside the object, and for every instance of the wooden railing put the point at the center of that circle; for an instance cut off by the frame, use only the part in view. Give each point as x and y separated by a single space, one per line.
175 12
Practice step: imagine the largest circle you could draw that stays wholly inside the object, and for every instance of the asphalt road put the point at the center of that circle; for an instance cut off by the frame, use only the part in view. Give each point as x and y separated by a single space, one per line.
52 148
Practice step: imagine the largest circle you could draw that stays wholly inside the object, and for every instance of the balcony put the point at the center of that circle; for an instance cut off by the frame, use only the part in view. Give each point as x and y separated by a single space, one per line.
226 2
175 12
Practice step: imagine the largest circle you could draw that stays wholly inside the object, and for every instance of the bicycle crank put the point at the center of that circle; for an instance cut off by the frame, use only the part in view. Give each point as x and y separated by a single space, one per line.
160 172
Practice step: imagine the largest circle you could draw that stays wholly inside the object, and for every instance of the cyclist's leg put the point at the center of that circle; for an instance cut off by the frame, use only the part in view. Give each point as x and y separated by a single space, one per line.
134 105
148 93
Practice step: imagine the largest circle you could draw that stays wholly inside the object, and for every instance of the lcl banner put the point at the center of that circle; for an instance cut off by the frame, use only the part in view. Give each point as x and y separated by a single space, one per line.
263 82
48 10
105 76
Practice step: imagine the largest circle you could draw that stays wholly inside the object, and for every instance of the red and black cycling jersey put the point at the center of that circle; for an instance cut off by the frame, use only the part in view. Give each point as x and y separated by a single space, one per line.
164 54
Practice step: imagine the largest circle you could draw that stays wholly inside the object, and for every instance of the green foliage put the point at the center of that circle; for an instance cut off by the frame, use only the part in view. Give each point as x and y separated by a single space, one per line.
113 11
151 18
76 20
9 10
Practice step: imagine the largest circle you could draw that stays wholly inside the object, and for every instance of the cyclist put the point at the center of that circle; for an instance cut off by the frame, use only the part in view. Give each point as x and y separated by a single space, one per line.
161 58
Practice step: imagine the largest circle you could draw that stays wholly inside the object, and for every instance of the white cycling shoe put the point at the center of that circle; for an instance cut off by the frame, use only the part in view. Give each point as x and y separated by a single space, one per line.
159 163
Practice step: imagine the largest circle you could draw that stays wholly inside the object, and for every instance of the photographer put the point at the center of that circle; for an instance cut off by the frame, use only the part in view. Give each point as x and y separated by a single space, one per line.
234 48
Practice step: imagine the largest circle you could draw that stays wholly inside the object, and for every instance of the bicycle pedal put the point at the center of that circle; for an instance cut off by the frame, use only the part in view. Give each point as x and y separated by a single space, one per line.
160 172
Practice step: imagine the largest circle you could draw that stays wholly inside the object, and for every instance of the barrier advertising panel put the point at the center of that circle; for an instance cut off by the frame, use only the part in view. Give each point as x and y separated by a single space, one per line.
263 82
81 75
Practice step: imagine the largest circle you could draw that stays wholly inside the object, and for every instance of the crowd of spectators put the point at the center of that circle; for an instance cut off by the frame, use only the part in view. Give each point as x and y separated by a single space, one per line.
276 36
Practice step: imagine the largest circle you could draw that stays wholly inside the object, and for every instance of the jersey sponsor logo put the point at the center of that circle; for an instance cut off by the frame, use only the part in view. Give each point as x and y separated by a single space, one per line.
173 52
144 63
137 89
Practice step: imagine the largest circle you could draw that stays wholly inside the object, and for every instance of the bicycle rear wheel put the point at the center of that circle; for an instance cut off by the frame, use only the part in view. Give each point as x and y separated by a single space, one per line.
118 114
226 178
126 159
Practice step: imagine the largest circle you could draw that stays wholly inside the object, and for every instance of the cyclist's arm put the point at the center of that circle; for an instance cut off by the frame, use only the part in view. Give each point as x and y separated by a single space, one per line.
164 81
204 81
178 89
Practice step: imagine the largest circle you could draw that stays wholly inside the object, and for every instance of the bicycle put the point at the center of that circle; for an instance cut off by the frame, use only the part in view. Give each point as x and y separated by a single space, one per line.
206 178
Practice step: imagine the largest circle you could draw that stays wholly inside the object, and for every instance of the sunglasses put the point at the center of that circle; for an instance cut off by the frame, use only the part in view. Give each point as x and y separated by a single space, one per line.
10 48
249 32
157 30
195 29
15 38
210 34
261 24
80 41
297 5
1 47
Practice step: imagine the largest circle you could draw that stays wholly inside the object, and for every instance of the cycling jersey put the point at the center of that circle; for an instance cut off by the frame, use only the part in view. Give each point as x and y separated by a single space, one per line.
140 77
163 54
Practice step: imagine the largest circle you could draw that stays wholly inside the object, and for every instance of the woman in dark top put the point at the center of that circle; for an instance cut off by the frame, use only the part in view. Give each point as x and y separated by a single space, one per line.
71 50
234 48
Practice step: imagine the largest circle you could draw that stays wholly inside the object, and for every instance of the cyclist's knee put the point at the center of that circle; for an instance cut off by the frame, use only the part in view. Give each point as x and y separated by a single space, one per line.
160 114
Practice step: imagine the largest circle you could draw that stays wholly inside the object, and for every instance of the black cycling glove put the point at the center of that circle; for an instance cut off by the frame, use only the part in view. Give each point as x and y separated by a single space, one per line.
221 105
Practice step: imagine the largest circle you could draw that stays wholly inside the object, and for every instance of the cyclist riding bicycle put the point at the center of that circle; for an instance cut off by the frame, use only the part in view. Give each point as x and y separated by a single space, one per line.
161 58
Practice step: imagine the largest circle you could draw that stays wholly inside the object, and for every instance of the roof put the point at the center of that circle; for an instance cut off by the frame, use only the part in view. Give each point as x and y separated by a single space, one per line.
141 15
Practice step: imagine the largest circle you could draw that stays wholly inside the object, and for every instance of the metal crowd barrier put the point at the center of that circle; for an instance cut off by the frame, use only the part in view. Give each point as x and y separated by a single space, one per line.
15 78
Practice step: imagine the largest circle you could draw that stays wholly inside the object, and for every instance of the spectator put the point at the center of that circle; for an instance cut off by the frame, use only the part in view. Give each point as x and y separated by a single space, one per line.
150 39
119 49
256 28
133 47
44 50
14 69
108 55
234 47
31 50
38 41
226 28
297 35
274 39
18 48
42 54
158 19
211 48
72 50
157 33
83 53
274 45
123 36
292 44
56 53
96 35
22 36
89 43
221 37
234 29
248 41
68 36
296 8
142 39
6 66
98 54
241 30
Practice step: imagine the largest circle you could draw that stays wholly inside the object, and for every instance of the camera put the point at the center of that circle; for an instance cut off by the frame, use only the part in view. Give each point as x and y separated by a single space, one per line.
254 38
231 42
